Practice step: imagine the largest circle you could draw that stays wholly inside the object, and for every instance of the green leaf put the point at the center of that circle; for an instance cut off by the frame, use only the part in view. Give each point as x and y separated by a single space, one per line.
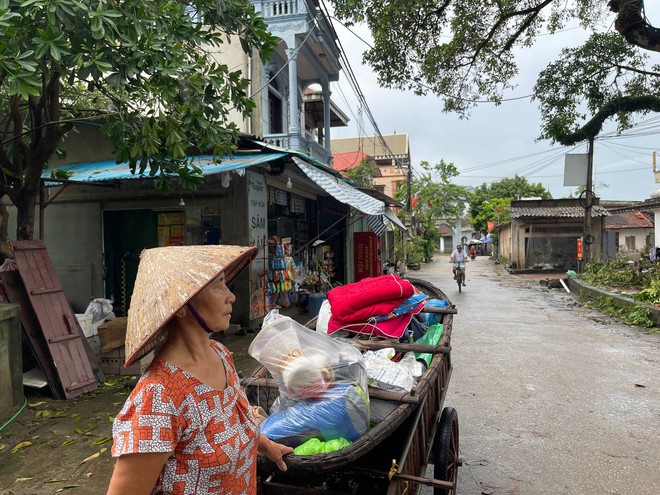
102 440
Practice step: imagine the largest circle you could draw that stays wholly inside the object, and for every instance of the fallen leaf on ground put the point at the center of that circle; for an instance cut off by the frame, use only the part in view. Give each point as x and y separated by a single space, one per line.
20 446
102 440
55 480
36 404
69 441
93 456
66 488
25 479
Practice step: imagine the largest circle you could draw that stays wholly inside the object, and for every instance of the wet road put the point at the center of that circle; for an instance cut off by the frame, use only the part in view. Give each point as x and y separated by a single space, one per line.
552 398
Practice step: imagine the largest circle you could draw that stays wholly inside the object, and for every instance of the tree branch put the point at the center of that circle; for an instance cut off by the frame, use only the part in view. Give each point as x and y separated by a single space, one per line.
533 12
591 129
638 71
632 24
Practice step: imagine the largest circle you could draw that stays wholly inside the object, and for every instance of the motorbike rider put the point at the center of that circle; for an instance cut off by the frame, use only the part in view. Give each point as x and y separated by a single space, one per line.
458 256
473 253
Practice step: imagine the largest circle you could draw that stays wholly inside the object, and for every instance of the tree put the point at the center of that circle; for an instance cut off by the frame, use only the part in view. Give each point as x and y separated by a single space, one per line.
464 50
499 195
145 68
604 78
362 174
437 197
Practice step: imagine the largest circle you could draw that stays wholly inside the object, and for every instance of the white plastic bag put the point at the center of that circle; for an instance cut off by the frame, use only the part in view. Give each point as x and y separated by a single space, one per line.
323 317
387 375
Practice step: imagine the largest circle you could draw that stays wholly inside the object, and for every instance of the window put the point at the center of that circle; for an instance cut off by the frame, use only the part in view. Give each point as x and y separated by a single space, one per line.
274 113
274 107
630 242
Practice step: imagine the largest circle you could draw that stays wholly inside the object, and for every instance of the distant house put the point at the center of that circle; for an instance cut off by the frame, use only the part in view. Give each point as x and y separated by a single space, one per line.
632 230
343 162
392 157
545 232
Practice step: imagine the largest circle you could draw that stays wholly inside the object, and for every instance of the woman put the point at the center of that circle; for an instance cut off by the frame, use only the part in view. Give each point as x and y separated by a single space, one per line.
187 426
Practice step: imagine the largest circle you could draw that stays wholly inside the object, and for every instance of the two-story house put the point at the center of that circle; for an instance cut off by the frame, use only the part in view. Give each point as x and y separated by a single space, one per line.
392 157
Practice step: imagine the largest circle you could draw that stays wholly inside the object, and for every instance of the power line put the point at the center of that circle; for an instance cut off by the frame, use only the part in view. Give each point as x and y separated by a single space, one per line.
345 63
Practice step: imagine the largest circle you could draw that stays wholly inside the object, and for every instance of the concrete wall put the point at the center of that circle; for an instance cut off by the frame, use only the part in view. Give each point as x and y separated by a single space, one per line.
504 246
11 362
640 236
74 238
84 143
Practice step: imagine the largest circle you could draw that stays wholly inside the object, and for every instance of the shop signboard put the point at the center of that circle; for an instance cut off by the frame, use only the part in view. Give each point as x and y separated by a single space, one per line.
367 263
258 228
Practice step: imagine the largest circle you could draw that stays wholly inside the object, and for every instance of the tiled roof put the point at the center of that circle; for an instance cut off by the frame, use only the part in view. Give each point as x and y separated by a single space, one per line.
348 160
445 229
555 211
397 144
628 220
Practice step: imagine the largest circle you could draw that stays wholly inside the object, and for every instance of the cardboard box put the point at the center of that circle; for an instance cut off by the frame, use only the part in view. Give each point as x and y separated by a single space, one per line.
112 334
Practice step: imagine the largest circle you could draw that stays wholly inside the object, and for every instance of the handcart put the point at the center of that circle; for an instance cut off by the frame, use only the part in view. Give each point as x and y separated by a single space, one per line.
393 456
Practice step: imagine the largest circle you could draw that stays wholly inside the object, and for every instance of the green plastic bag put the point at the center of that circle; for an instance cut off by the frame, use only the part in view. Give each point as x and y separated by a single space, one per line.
316 446
431 337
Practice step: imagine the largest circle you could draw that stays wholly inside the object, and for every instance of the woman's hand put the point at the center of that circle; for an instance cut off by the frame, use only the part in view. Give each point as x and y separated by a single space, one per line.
274 451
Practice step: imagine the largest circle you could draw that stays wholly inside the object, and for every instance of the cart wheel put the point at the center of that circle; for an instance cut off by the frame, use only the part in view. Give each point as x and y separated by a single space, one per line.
446 461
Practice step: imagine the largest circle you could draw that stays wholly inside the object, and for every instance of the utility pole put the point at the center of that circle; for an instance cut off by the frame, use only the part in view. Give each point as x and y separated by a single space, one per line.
588 196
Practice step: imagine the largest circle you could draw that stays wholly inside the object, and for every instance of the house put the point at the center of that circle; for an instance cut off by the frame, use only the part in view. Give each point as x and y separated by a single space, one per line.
545 232
632 230
391 154
343 162
96 222
292 89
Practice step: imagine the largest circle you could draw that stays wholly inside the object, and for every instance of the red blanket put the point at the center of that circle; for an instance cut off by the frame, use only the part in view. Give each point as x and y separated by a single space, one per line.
369 297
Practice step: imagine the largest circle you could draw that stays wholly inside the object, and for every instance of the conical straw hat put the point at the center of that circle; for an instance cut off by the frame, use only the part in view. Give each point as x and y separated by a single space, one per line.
169 277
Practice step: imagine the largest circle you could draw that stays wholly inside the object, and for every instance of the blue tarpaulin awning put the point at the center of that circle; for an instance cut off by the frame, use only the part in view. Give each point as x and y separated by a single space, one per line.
110 170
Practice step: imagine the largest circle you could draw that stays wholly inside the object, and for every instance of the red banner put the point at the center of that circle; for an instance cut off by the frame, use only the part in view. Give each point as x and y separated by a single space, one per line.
579 249
365 255
413 201
491 226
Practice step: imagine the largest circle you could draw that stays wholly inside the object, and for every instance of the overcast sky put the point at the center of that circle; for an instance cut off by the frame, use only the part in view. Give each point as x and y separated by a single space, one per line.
498 142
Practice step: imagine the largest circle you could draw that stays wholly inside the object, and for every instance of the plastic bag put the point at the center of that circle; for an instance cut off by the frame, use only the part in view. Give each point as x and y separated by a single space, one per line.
386 374
100 309
430 319
343 414
316 446
305 363
431 337
323 318
410 362
322 383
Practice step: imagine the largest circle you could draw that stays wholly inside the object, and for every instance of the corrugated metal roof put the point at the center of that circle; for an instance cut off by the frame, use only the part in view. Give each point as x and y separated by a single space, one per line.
628 220
340 190
556 211
109 170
